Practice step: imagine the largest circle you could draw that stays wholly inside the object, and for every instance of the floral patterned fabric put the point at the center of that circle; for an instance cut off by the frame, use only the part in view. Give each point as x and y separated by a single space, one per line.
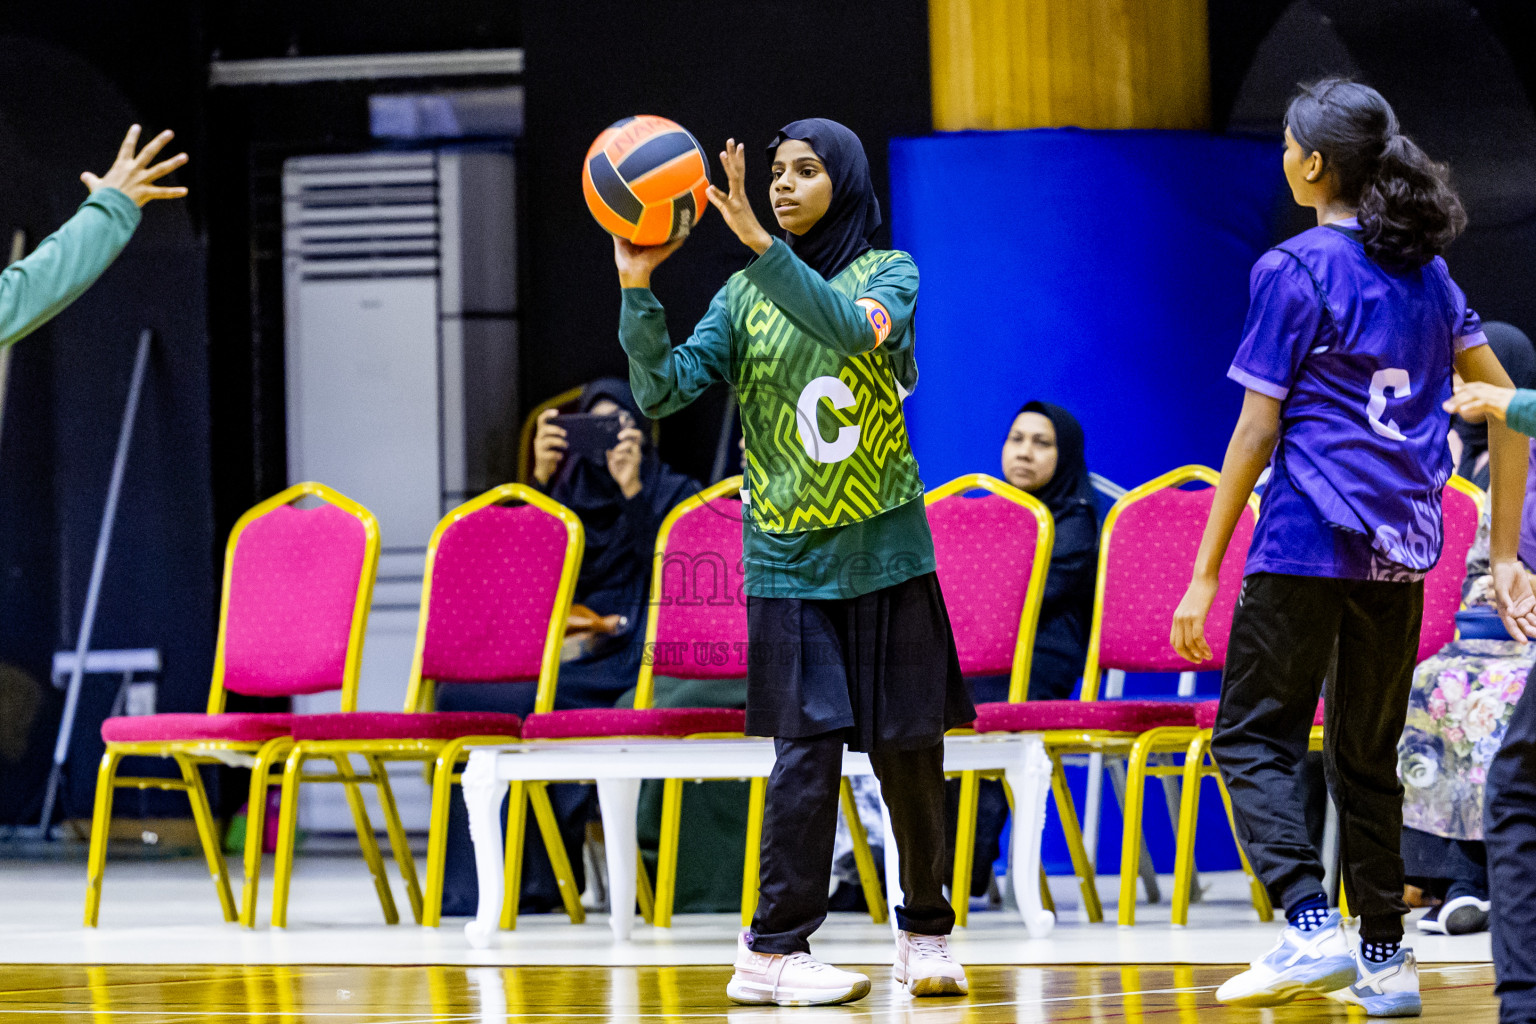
1457 713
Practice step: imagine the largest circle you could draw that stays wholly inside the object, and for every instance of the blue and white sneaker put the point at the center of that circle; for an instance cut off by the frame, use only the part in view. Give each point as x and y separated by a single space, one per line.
1389 989
1302 962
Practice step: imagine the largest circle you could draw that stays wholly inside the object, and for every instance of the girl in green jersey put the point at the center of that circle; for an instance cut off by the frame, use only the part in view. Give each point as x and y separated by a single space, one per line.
849 640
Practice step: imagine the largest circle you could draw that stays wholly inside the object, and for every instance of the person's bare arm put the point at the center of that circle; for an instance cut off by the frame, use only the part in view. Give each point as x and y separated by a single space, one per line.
1509 456
1253 442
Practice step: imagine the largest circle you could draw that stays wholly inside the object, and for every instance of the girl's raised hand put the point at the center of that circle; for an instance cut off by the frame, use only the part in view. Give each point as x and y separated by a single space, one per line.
734 207
1475 398
132 174
636 263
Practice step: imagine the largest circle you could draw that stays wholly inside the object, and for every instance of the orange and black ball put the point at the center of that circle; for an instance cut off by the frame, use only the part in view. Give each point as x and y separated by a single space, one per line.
645 179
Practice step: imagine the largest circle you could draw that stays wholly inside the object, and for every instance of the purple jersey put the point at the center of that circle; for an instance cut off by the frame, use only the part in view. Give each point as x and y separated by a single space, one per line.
1361 359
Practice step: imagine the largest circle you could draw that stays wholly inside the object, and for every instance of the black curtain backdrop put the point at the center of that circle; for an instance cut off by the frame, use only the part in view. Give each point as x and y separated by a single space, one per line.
1239 27
725 69
1461 75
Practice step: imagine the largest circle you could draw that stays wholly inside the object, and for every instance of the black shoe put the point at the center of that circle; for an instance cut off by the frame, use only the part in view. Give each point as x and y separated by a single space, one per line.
1463 915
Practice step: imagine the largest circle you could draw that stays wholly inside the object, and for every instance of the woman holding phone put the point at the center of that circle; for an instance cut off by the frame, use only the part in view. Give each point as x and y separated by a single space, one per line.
621 494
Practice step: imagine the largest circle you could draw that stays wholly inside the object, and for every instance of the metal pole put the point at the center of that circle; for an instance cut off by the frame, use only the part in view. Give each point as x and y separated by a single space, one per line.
98 569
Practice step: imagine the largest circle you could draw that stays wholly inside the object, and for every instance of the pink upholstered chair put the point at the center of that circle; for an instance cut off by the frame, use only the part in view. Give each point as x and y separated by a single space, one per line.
993 552
697 629
1462 506
1146 556
495 600
297 585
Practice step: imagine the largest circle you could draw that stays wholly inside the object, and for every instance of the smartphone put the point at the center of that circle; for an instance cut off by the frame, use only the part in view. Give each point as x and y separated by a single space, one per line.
590 434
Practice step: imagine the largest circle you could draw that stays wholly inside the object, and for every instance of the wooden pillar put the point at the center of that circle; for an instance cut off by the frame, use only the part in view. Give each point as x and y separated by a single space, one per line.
1001 64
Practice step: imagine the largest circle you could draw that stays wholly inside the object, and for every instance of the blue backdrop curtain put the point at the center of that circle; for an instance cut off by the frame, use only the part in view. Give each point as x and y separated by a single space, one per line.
1105 271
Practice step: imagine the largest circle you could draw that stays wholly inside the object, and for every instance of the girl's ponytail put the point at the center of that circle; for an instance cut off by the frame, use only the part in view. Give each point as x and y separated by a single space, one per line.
1409 213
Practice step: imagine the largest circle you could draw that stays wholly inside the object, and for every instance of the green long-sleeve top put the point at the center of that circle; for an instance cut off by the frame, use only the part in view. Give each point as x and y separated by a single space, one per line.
36 289
1521 414
838 562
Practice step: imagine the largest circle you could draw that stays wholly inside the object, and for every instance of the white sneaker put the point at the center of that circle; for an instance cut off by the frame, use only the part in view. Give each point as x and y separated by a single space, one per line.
793 979
1389 989
924 965
1317 961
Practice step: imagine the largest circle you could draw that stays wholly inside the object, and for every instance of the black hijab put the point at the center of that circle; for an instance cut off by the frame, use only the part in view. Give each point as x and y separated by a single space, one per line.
844 231
1066 609
1518 357
1069 487
620 532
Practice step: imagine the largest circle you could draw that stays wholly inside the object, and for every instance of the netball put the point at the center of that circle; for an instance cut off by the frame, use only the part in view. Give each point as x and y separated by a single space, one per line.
644 178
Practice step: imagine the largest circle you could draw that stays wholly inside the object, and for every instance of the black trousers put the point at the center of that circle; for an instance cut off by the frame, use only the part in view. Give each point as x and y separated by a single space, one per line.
1283 639
1510 833
800 824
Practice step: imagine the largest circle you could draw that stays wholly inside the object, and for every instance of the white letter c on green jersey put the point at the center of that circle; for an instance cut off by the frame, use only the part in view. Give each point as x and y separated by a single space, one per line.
818 449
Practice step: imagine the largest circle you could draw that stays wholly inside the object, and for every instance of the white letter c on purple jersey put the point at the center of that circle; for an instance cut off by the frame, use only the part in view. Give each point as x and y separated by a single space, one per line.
1395 381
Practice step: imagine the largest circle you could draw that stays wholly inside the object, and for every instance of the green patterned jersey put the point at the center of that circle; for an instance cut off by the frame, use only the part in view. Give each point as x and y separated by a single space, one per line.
838 508
826 441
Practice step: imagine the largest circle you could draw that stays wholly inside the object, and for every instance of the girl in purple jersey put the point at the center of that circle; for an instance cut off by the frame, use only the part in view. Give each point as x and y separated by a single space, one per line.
1353 330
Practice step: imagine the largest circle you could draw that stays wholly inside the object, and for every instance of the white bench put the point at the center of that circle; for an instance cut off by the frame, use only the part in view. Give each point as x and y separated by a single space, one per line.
618 766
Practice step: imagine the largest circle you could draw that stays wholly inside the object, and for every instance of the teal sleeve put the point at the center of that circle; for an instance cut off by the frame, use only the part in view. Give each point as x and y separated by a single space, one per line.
1521 414
826 314
665 379
65 264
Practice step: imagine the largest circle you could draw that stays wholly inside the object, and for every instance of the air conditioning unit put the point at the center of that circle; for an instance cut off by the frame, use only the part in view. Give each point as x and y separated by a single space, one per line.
400 292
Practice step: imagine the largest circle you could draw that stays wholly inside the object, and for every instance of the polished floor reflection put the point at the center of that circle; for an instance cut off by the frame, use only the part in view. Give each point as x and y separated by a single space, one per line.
416 995
164 912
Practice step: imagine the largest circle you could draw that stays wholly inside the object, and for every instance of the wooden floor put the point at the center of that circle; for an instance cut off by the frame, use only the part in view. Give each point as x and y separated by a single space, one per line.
415 995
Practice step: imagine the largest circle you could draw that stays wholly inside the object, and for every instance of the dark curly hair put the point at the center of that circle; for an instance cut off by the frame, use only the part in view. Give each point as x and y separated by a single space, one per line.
1409 213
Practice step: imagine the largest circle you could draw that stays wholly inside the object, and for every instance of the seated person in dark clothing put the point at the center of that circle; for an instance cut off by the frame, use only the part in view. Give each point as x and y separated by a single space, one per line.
1043 455
621 501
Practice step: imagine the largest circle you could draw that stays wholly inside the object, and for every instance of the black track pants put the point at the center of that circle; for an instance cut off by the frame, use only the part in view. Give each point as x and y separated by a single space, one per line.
801 822
1282 644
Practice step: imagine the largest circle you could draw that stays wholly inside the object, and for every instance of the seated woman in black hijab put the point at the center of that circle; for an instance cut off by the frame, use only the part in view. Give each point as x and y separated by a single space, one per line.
621 502
1043 455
